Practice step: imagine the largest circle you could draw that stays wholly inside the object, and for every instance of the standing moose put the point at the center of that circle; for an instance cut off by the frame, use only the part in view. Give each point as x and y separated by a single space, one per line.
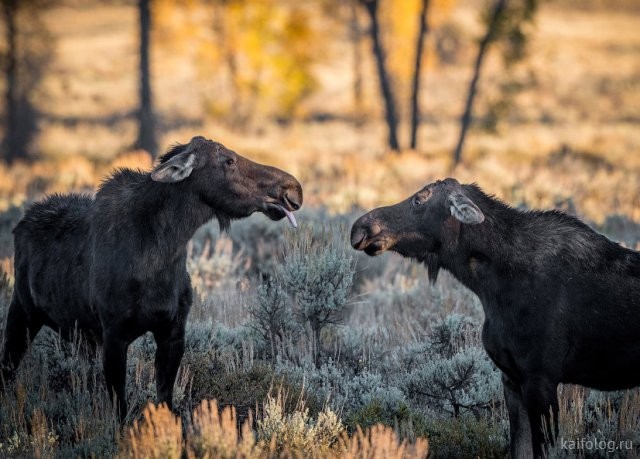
561 302
114 266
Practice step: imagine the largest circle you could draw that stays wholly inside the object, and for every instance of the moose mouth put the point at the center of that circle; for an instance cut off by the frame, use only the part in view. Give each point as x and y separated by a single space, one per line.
373 247
377 247
278 210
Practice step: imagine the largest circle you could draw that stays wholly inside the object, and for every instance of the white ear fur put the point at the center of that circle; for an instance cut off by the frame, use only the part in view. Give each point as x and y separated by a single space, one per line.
176 169
464 210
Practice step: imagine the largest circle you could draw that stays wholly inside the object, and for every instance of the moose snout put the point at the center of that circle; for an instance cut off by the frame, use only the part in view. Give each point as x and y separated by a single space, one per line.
362 231
292 195
293 199
358 237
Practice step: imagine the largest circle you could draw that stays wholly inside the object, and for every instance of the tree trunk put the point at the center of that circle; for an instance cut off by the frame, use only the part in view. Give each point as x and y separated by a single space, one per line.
146 120
355 35
12 147
465 121
371 6
316 328
423 29
223 42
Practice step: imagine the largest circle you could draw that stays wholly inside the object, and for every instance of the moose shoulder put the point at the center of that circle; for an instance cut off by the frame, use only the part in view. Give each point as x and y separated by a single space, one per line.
114 266
561 302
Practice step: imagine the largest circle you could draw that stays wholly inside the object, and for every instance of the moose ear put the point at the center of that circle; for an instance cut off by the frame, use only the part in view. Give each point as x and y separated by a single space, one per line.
174 170
464 210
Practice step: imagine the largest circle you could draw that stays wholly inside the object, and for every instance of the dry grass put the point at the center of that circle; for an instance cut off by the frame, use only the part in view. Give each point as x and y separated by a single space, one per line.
213 266
576 413
24 182
380 442
157 436
215 433
595 186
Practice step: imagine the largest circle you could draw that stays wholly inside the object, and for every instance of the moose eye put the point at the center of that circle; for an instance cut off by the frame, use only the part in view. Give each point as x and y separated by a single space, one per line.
230 161
416 201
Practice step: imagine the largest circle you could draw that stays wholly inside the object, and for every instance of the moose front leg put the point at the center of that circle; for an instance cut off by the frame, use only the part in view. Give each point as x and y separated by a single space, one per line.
115 369
519 428
541 401
168 357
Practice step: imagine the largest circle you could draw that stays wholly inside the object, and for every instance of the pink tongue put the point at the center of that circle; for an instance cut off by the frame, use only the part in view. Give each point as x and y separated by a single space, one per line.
290 216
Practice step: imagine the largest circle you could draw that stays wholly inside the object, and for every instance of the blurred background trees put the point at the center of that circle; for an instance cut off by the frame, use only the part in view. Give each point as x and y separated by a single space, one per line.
417 74
11 142
505 21
372 9
492 26
146 117
261 59
366 100
25 55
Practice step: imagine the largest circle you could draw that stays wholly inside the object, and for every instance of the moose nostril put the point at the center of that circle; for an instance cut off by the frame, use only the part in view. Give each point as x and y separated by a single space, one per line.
294 205
375 229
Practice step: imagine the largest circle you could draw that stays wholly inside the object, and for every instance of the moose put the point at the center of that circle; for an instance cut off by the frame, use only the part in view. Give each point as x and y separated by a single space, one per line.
113 266
561 302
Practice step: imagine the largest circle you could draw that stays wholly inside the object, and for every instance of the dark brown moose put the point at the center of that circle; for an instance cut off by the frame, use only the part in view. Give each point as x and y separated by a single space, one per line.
114 266
561 302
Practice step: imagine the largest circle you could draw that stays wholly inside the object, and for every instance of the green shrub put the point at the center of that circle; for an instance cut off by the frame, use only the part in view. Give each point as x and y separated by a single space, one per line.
317 271
272 317
465 437
378 411
297 432
456 374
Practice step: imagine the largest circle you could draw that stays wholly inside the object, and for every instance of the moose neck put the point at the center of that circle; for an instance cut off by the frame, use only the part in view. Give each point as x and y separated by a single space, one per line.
477 250
179 213
156 220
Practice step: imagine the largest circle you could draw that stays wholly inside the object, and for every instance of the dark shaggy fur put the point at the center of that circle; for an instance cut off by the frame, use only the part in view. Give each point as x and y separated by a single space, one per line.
171 152
561 302
114 266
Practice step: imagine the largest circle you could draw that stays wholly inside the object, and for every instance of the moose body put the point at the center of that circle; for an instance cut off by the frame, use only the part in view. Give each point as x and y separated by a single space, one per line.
114 267
561 302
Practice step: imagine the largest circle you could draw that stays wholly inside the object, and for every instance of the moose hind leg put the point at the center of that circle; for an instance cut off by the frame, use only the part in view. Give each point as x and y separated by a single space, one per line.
20 331
168 357
541 401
